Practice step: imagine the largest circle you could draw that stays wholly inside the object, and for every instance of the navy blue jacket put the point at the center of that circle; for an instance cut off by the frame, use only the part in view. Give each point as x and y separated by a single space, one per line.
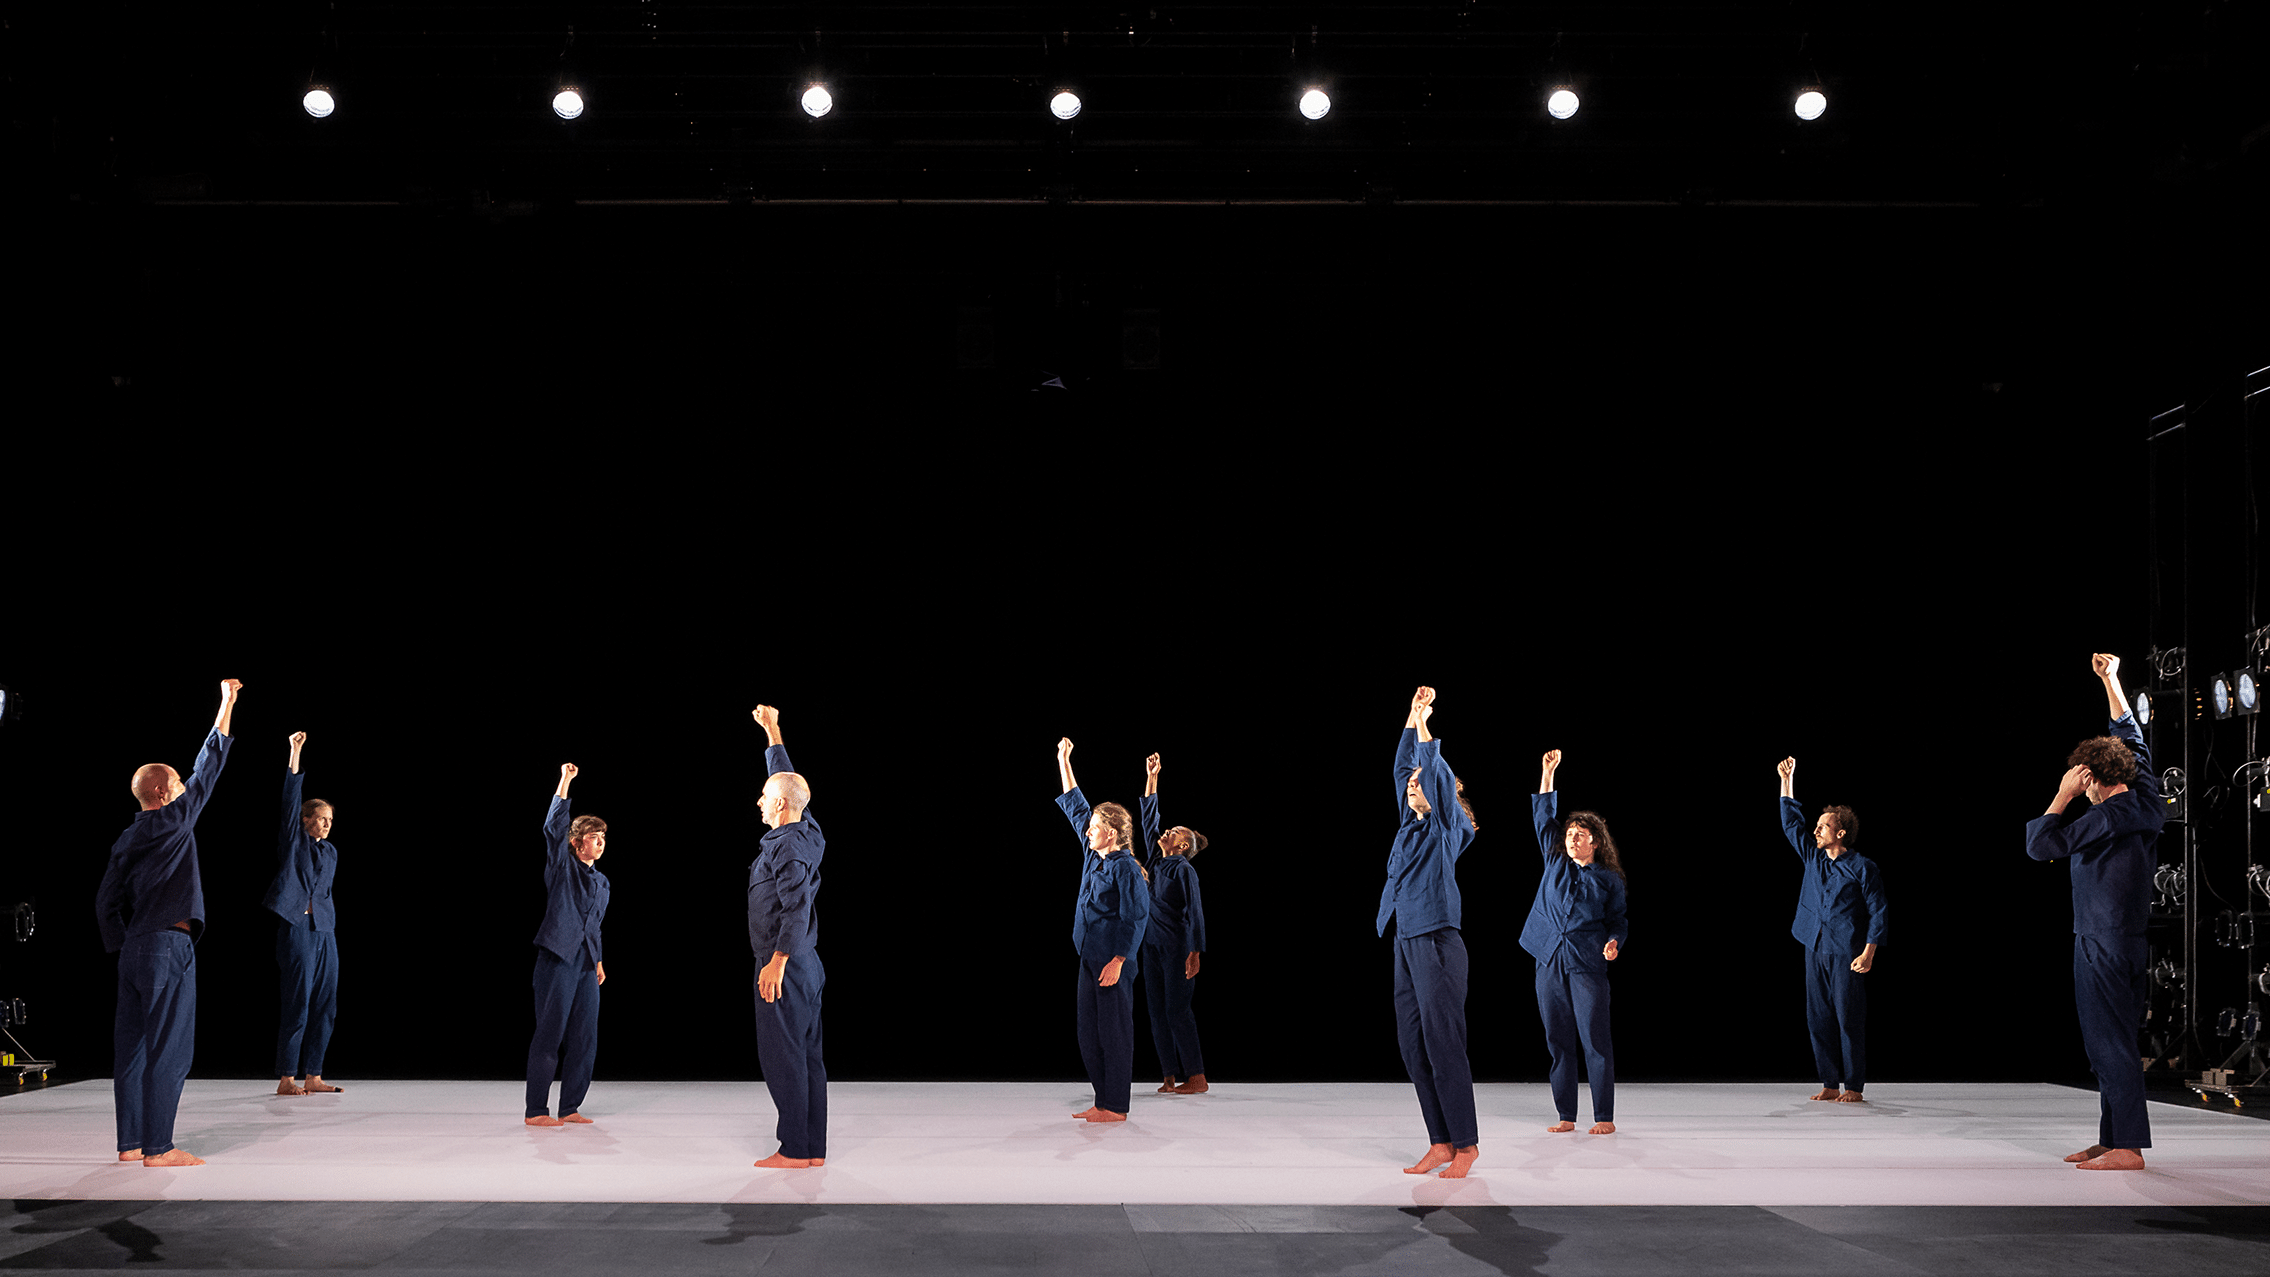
1837 895
1114 905
304 868
784 880
151 882
575 894
1579 908
2114 845
1421 894
1178 915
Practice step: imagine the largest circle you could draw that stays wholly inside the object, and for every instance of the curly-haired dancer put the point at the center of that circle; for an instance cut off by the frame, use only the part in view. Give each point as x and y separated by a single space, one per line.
1841 917
1434 828
1172 941
1108 922
1575 929
2113 844
570 965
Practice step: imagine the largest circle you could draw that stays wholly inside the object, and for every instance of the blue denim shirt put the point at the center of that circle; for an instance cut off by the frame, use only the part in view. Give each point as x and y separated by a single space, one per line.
1578 908
575 894
2114 846
152 881
1840 901
305 866
1178 914
1114 904
1421 894
784 880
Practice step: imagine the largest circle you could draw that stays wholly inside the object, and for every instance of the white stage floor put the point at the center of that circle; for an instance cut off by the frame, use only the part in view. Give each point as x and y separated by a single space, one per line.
1264 1144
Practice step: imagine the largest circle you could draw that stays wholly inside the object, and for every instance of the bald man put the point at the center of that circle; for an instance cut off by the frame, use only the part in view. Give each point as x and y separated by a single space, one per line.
784 931
151 908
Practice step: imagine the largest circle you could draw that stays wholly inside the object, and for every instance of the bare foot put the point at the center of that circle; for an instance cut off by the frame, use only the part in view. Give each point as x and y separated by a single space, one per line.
1462 1163
131 1155
1435 1155
2115 1159
1084 1114
1560 1127
577 1118
778 1163
289 1087
819 1161
1167 1087
1827 1093
1105 1115
183 1157
1195 1086
2090 1153
542 1119
1849 1097
317 1086
1603 1128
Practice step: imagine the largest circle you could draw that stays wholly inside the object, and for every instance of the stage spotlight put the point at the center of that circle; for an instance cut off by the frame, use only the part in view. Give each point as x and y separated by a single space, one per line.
1811 103
1315 105
11 706
1064 105
2244 692
2220 694
1562 104
818 101
2143 708
567 104
318 103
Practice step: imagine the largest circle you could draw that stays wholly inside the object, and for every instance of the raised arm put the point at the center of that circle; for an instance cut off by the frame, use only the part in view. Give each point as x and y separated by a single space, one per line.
229 689
556 817
289 835
568 773
1422 708
1551 763
1793 826
1064 764
768 718
211 757
1545 808
1071 802
2107 667
1152 825
299 742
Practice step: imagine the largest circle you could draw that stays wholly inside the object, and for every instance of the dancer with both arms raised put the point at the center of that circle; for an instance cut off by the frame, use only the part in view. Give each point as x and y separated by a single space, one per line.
1575 929
307 944
1841 917
1172 941
1420 900
1108 921
784 930
570 964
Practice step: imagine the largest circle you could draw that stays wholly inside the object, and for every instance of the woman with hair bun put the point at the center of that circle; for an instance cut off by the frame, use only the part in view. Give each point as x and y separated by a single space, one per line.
1172 942
1107 932
1575 929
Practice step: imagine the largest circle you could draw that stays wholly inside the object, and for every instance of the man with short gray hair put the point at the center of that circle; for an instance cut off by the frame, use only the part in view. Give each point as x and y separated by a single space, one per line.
784 933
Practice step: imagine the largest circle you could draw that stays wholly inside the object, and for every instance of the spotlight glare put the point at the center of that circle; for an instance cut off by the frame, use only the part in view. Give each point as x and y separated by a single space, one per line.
2219 691
1064 105
2248 693
2143 709
1811 103
567 104
1561 105
318 103
818 101
1315 105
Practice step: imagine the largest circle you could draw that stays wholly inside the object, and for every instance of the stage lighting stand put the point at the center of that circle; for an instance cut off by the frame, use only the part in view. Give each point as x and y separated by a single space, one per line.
14 1058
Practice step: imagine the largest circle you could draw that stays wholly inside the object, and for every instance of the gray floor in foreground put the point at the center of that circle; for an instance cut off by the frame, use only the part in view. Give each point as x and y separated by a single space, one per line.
575 1239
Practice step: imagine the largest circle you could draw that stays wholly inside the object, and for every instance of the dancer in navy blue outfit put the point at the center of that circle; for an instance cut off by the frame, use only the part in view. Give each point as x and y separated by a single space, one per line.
1842 916
784 930
151 911
307 948
1420 900
2113 843
1107 932
1575 929
1172 941
570 964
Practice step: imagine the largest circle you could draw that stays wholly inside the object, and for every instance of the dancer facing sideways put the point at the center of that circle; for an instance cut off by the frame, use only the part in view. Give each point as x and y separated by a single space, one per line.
1842 916
1172 942
2113 844
570 964
151 910
784 931
1420 901
1108 922
1575 929
307 948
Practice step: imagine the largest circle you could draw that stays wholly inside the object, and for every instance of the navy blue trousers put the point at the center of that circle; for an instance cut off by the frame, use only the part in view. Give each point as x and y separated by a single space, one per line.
1836 1017
307 961
788 1050
1174 1027
567 1032
2109 987
1106 1018
1574 1007
1430 1026
152 1037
